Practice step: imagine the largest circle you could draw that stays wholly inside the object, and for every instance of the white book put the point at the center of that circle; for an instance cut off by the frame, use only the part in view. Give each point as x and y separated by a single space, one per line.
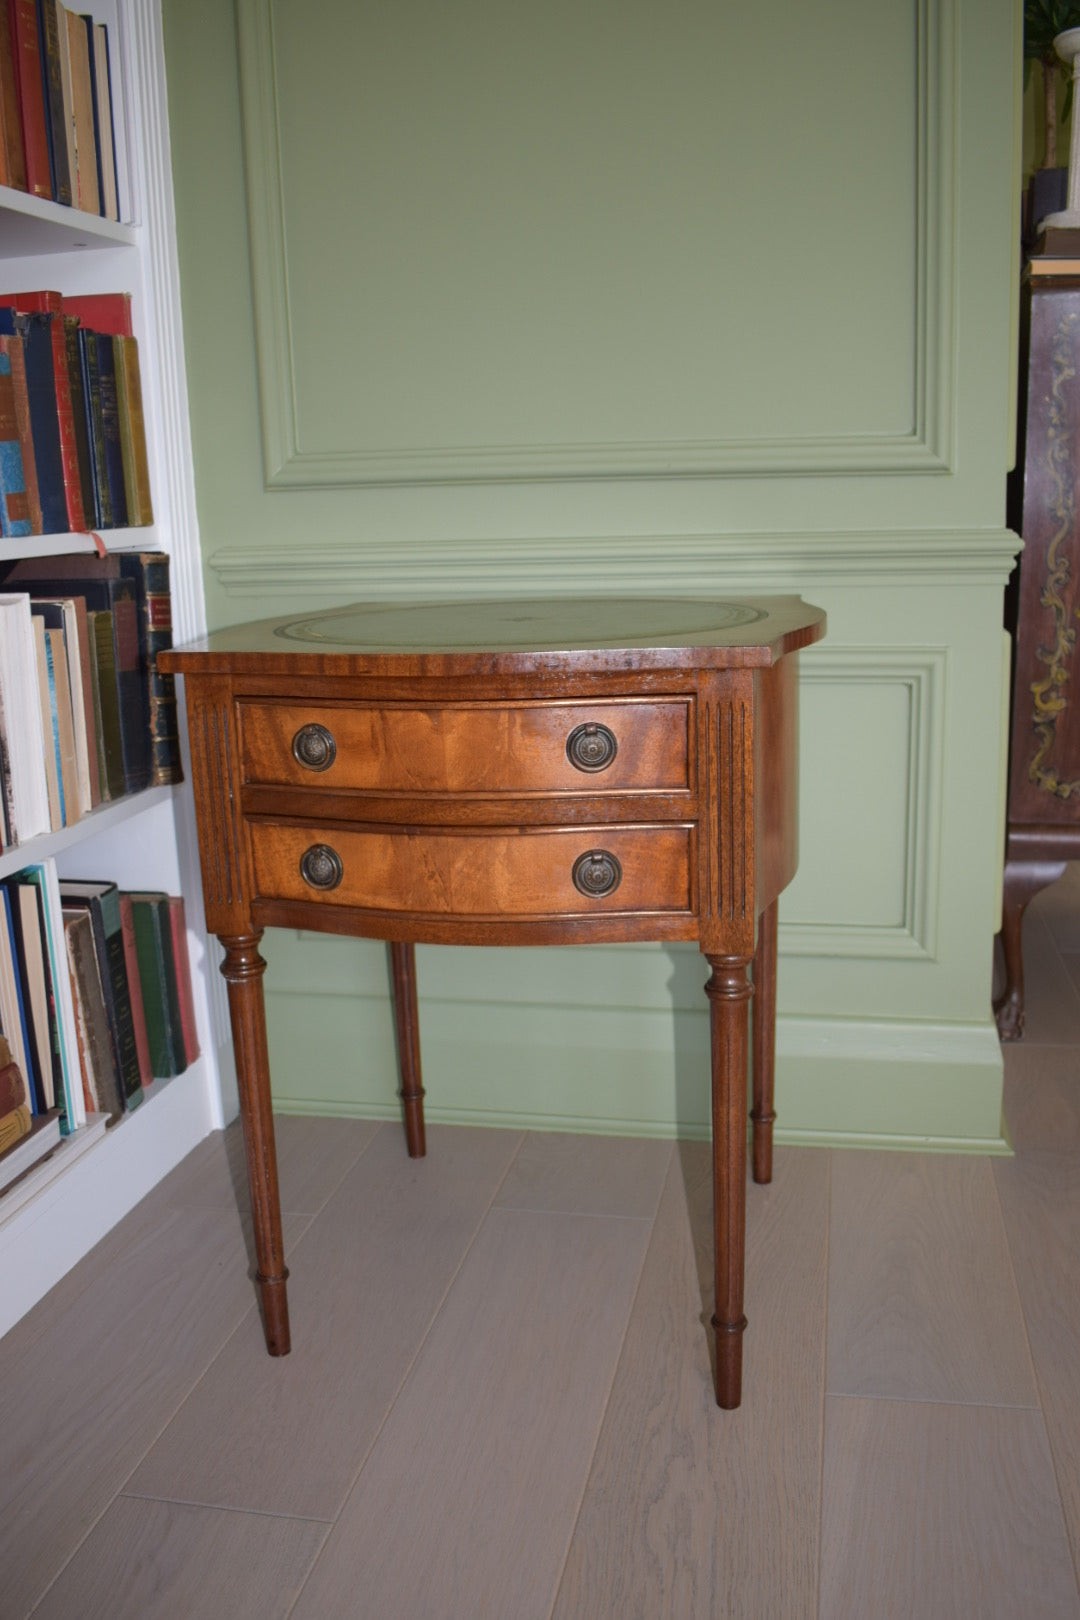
23 717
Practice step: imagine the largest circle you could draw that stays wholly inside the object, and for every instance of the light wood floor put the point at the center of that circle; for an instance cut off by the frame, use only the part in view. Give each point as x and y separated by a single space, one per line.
499 1404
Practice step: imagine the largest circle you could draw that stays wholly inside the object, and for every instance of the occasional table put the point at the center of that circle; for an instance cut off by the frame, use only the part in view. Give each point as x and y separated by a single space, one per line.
534 772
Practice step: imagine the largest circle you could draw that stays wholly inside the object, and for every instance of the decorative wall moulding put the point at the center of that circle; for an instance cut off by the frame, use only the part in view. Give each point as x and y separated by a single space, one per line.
924 445
664 564
920 674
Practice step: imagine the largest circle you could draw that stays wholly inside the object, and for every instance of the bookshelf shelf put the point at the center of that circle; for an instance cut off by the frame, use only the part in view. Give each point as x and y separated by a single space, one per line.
31 226
144 840
104 819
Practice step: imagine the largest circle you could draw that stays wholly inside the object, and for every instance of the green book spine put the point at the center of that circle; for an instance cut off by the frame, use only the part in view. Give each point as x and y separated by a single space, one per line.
107 700
146 913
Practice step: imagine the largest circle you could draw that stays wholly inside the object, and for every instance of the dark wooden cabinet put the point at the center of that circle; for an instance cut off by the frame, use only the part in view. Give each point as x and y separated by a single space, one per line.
1043 613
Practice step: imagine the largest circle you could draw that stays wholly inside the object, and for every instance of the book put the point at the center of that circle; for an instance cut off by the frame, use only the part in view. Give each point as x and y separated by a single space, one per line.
138 1012
14 1124
14 1092
86 186
90 376
12 157
14 502
36 332
110 427
182 965
50 738
12 346
12 1005
67 1086
129 406
104 120
76 628
30 965
148 572
56 378
102 902
101 582
53 617
106 704
157 976
30 90
9 827
53 90
42 1139
102 1089
22 712
79 416
102 312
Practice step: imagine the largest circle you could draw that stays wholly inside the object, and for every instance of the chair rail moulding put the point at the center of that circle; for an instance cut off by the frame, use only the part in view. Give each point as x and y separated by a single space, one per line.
917 436
646 562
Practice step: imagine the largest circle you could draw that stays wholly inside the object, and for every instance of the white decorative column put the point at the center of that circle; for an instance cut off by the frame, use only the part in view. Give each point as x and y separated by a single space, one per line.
1067 46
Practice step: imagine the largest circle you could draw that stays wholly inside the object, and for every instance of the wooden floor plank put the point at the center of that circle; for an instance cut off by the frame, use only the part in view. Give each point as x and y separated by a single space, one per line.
79 1410
1042 1098
587 1175
467 1502
313 1155
1051 999
1040 1199
922 1300
935 1510
690 1511
364 1287
184 1563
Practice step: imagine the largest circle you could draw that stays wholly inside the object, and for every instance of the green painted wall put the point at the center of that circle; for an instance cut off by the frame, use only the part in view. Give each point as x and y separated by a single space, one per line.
485 298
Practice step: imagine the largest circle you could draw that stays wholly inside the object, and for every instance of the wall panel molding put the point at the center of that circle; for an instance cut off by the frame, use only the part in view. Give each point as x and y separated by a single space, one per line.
921 674
924 447
534 564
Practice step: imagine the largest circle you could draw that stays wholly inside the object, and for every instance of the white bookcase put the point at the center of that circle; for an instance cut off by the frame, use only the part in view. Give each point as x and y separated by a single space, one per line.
146 840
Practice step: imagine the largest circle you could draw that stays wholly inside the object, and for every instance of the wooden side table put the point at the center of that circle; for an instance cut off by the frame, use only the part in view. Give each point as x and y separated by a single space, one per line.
491 773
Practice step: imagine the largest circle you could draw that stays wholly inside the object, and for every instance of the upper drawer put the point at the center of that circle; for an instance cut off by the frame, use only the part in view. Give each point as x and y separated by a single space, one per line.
611 746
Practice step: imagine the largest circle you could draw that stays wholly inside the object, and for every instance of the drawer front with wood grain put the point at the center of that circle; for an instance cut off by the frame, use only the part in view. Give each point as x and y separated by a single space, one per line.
639 746
490 873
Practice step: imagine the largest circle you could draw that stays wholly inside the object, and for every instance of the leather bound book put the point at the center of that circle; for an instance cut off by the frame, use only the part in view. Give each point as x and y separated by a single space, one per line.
102 901
157 976
79 418
182 967
95 427
36 333
12 346
110 424
56 123
101 1077
149 573
102 312
85 186
26 43
47 306
138 1011
140 510
11 137
107 703
14 504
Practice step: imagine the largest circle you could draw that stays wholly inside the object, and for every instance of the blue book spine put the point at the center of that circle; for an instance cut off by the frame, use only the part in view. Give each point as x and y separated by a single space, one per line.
36 334
110 419
7 921
14 519
51 668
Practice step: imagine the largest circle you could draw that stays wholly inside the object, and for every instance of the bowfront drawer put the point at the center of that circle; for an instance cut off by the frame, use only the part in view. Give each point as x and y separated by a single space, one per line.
519 748
550 872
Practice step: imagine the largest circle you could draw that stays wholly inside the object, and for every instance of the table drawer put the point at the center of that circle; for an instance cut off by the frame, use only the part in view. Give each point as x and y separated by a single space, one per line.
495 873
515 748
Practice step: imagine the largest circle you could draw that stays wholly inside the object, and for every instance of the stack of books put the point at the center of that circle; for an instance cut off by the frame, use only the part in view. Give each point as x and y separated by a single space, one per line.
95 1004
72 436
85 714
58 90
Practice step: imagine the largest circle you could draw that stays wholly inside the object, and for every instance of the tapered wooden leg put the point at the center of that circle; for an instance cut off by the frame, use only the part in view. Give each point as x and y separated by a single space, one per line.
407 1021
764 1042
243 969
1023 880
729 992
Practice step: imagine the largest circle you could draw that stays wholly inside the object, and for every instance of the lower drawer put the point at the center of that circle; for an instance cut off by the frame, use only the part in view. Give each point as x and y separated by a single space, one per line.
487 873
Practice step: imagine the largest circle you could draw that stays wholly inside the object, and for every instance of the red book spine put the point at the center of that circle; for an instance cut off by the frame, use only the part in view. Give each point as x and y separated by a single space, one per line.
182 964
26 44
102 312
65 414
138 1011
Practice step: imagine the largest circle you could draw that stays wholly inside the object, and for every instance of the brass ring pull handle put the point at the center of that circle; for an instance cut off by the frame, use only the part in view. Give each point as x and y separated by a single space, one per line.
596 873
321 868
314 747
591 747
